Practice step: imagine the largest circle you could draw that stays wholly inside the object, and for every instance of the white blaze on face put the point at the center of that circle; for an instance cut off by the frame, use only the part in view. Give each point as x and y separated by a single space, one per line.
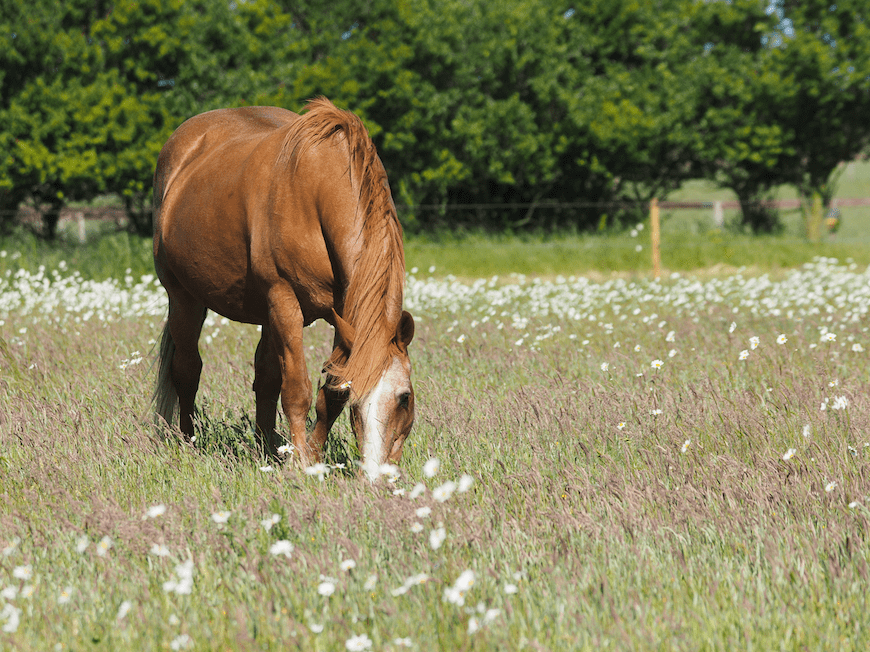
376 409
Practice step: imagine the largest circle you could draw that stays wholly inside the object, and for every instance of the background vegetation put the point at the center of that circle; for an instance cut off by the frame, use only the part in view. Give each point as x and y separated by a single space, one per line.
537 113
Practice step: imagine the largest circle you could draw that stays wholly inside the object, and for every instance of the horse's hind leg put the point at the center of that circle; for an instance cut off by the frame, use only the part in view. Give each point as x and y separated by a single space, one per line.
267 387
186 316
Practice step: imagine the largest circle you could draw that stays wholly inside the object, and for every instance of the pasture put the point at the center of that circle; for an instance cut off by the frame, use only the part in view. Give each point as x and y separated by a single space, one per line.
678 464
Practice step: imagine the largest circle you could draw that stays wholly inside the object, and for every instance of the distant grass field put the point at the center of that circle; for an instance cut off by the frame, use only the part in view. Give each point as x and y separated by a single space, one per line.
690 243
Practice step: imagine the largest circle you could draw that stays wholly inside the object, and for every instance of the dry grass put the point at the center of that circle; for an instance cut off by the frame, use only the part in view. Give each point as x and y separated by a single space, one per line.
614 536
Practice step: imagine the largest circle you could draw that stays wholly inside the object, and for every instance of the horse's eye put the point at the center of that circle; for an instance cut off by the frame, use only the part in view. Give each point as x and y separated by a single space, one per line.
404 399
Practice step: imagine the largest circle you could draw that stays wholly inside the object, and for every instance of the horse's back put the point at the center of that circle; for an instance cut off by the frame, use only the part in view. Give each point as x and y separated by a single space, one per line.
208 173
238 129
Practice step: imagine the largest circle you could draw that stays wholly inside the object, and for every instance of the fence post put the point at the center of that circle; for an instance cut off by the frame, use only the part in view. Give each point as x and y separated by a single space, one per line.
718 214
814 219
655 235
80 222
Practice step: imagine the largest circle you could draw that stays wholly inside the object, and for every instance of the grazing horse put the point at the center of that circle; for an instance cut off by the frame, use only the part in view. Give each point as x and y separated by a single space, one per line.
273 218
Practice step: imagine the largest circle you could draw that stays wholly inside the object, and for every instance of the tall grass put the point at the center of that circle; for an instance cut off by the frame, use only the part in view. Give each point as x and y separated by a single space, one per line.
624 496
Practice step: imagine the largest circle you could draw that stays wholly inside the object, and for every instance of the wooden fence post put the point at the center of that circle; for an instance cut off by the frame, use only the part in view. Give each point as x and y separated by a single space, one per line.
814 219
80 223
655 235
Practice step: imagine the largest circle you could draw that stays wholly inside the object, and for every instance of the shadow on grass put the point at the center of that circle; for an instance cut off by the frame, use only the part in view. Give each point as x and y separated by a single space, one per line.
231 435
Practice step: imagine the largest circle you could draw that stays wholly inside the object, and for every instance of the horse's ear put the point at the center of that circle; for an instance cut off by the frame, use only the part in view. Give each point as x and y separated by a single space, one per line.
344 331
405 329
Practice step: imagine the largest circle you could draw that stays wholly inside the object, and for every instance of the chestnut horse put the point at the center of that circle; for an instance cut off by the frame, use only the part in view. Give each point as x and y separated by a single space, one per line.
273 218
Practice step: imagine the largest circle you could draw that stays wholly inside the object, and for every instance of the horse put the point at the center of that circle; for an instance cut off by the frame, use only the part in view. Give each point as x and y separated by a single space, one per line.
269 217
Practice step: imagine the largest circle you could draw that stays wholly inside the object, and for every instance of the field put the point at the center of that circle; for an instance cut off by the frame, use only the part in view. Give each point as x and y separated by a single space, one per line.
677 464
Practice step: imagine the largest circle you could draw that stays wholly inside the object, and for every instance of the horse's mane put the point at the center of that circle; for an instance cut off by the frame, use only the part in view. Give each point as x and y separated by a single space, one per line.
373 297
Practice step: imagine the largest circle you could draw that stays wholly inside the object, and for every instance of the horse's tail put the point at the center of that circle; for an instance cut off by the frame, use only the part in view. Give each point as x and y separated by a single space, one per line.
165 399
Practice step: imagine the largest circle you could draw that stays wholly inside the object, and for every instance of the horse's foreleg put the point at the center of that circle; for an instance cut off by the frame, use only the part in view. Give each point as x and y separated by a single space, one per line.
330 403
267 386
286 323
185 324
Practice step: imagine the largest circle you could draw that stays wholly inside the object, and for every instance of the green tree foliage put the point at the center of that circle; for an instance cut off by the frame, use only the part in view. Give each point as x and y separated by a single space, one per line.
522 104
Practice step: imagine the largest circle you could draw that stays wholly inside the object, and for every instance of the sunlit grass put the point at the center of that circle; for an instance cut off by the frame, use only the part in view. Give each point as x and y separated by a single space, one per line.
632 484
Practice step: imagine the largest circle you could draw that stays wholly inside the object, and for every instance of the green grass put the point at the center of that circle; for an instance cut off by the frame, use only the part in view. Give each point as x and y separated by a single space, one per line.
614 537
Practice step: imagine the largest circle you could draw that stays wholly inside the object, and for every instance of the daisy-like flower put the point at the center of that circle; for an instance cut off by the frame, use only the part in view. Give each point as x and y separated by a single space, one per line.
347 564
181 642
221 517
12 615
23 572
416 528
436 537
11 547
686 445
656 364
103 546
473 625
403 642
460 339
620 425
371 582
732 327
155 511
857 348
636 348
853 504
510 589
315 628
672 353
418 489
123 609
656 412
830 486
833 383
268 523
807 430
423 512
464 484
754 341
358 643
431 467
282 547
829 337
285 449
782 339
605 366
412 581
788 454
345 385
65 595
326 588
743 355
456 594
182 581
443 492
319 470
670 337
840 403
159 550
267 469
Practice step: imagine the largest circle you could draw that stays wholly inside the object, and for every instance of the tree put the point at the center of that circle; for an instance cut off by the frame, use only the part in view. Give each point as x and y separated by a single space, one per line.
822 50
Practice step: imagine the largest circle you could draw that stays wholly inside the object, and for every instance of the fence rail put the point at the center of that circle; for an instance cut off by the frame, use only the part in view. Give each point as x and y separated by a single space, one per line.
118 212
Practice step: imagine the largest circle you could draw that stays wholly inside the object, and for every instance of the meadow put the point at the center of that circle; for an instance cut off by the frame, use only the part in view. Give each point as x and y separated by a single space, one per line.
625 463
600 459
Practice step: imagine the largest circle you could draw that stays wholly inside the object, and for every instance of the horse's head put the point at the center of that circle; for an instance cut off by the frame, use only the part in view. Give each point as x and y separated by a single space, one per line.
382 417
